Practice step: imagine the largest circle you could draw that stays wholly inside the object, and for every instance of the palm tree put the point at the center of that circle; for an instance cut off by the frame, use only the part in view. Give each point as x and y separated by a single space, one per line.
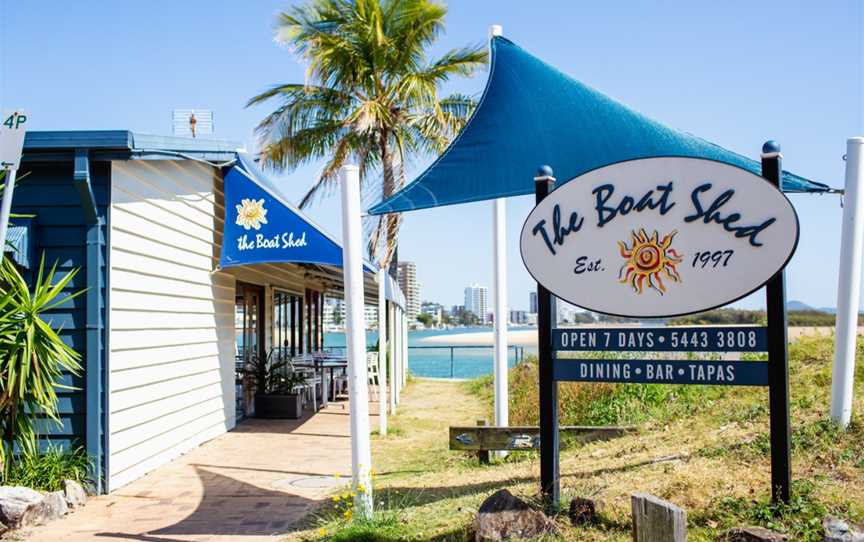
371 96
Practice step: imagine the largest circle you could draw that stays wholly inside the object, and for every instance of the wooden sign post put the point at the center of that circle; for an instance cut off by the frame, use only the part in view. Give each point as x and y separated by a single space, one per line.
550 485
655 238
778 357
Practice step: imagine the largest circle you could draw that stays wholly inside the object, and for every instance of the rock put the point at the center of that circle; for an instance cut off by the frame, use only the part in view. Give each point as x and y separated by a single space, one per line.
582 511
54 506
752 534
837 530
75 495
503 516
20 506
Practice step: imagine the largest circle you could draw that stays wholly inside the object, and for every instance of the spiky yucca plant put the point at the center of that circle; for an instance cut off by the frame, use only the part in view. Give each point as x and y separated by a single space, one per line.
33 357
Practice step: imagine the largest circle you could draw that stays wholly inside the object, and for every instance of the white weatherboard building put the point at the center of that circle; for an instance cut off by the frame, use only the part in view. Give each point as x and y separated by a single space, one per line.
193 263
476 302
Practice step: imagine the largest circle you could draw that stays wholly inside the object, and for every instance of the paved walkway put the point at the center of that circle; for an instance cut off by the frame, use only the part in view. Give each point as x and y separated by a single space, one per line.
250 484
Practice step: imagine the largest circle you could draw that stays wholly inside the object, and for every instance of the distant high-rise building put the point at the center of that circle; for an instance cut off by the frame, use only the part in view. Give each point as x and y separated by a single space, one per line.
476 301
407 273
532 302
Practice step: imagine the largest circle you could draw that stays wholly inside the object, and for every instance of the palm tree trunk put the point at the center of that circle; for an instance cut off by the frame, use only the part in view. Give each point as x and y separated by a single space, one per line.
388 223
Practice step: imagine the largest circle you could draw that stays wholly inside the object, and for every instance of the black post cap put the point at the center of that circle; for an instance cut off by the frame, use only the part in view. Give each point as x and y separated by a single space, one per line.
770 146
544 171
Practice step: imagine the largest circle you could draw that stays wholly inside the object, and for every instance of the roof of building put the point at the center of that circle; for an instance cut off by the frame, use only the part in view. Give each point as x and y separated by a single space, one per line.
120 144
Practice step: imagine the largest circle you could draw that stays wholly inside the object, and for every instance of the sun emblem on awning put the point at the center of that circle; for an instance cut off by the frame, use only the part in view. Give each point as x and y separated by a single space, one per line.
251 214
649 258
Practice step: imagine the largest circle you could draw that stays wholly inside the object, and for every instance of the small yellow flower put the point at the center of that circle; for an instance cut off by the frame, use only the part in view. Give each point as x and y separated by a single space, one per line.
322 531
361 488
335 498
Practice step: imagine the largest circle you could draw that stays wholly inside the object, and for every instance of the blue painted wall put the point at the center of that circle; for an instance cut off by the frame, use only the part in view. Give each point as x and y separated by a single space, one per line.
61 235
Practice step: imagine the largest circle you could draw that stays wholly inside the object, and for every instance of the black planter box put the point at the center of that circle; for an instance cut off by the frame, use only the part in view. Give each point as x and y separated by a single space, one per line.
279 406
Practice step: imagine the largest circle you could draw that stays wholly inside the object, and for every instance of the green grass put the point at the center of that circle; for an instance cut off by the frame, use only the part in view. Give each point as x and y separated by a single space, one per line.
711 442
47 471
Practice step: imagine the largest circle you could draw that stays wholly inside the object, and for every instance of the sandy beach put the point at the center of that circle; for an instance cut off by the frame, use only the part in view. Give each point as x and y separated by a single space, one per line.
528 336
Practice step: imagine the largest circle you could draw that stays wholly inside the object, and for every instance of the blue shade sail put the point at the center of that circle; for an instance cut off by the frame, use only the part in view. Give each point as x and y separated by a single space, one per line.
532 114
261 227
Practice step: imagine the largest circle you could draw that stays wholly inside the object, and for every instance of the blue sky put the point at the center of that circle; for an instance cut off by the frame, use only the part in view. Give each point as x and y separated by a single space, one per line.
735 73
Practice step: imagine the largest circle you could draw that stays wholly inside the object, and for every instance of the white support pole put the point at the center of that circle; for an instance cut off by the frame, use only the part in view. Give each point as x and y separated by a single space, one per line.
6 208
405 350
391 349
397 350
500 313
358 383
382 354
849 284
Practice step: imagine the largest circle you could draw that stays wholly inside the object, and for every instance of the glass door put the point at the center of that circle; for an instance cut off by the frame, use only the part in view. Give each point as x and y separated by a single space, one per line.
249 340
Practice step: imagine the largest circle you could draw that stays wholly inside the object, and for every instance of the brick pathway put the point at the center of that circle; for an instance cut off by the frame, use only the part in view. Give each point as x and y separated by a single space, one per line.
251 484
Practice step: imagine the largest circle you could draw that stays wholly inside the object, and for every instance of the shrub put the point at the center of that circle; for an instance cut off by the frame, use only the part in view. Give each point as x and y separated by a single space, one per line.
593 403
33 357
46 471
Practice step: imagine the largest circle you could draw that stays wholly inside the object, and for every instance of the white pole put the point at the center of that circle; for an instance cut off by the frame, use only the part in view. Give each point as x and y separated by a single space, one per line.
500 318
6 208
358 384
397 350
849 284
391 348
405 351
382 354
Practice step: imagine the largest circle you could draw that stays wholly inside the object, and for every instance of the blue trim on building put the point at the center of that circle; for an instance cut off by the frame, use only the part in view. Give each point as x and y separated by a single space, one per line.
124 144
60 230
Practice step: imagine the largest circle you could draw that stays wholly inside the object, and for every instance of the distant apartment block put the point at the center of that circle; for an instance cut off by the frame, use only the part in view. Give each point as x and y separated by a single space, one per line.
435 310
532 302
334 315
407 275
476 301
518 317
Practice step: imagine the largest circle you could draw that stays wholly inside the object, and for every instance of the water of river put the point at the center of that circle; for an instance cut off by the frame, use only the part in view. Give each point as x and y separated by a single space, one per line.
434 361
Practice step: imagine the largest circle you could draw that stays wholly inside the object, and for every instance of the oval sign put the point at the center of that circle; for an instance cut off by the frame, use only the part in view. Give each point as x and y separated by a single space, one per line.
659 237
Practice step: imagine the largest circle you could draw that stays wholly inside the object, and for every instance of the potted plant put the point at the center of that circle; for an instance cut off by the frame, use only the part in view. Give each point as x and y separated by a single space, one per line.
276 389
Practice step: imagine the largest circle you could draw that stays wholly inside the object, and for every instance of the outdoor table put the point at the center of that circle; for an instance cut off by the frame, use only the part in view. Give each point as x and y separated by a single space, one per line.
323 364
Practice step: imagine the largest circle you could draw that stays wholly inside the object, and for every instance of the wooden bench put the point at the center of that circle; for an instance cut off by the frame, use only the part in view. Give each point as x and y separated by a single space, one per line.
484 438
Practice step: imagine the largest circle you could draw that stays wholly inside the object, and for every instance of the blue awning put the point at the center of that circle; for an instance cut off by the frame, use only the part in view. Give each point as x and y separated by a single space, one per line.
262 227
532 114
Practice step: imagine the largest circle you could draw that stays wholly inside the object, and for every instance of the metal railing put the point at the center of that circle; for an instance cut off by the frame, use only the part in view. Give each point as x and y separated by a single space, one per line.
518 352
515 353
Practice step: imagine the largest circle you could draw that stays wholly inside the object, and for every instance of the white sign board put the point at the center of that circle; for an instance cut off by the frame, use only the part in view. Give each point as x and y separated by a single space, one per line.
13 125
659 237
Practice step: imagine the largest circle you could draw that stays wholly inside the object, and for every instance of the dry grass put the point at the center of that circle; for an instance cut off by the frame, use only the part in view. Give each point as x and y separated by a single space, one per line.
704 449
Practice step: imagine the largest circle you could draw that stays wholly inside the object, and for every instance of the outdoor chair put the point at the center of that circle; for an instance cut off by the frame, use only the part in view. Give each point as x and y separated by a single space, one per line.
313 379
372 372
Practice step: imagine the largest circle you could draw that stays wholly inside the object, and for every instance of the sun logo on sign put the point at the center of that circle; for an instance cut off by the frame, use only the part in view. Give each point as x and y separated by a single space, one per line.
648 258
251 214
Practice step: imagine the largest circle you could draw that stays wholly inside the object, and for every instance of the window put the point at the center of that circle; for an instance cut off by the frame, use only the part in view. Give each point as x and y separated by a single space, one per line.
287 324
